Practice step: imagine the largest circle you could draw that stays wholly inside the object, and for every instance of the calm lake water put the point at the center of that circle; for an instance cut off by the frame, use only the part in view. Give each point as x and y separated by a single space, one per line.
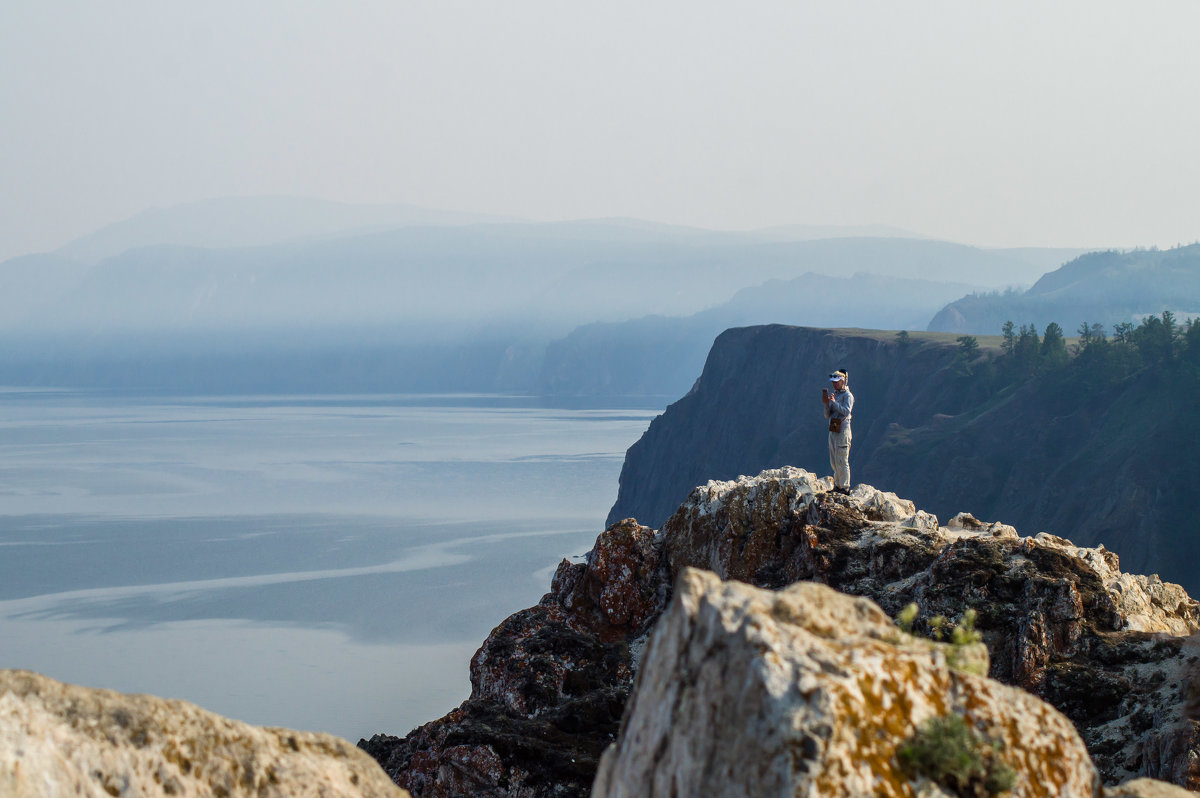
316 562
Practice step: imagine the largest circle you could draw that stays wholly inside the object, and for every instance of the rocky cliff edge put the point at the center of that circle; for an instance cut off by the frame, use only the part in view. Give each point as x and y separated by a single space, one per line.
1110 651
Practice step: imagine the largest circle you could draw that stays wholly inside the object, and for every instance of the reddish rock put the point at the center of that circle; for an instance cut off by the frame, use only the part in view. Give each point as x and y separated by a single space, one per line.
620 588
547 686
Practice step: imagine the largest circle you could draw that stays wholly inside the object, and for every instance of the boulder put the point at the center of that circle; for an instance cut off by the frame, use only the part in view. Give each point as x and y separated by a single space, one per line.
59 739
807 691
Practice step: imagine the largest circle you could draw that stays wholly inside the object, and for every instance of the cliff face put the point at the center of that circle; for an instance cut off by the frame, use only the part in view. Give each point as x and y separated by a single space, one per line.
549 685
1080 463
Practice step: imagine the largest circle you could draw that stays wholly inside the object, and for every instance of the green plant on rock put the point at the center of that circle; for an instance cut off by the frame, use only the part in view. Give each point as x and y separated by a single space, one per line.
948 751
964 632
937 626
961 653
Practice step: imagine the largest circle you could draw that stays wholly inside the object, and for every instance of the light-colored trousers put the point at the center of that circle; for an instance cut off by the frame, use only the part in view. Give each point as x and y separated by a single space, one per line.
839 456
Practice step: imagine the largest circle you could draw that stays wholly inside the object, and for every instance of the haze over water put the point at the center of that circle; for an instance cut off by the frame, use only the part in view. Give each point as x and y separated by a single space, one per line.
316 562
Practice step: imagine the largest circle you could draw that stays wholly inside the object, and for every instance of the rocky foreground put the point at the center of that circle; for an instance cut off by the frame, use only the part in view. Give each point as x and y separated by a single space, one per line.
1111 652
807 691
62 740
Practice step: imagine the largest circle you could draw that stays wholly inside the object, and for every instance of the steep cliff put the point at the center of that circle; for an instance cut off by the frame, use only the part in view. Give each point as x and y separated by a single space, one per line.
1106 648
1077 461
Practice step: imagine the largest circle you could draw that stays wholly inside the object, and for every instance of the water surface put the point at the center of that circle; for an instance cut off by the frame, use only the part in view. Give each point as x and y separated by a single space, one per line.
317 562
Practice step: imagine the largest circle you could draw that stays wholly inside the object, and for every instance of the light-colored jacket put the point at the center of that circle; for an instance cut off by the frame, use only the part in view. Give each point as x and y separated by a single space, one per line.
841 404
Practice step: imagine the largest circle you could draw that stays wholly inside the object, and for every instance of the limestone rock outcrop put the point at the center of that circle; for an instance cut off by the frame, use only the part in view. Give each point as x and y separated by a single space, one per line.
58 739
807 691
1109 650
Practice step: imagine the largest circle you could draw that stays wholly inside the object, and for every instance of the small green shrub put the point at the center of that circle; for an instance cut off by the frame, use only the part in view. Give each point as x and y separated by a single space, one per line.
937 626
948 751
906 618
964 632
961 634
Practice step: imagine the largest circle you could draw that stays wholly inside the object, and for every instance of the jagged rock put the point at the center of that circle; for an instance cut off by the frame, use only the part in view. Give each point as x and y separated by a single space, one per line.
1107 649
780 527
59 739
1061 621
807 691
548 686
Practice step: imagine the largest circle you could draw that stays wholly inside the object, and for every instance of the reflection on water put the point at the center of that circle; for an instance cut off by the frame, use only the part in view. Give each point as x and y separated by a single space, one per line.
299 677
442 591
314 562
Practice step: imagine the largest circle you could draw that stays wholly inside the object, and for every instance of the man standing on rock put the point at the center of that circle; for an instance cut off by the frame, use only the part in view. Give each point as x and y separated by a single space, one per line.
837 409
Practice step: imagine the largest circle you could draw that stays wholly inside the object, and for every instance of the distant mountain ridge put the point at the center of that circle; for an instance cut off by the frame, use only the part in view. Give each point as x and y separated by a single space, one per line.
561 274
254 221
422 289
249 221
863 282
1098 287
661 356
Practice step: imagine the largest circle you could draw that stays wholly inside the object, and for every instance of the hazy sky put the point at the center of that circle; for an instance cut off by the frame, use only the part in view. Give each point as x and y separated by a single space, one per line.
995 123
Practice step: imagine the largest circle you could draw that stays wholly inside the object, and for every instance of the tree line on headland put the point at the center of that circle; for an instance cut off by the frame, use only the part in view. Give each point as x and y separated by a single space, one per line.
1158 349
